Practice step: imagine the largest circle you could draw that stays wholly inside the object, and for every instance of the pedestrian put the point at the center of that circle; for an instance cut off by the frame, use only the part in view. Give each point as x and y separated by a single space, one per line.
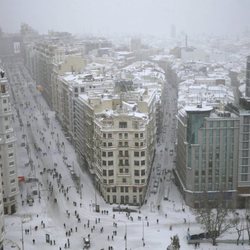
33 241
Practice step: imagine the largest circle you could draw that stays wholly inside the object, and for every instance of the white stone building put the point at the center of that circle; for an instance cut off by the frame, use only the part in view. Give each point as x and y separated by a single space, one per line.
7 150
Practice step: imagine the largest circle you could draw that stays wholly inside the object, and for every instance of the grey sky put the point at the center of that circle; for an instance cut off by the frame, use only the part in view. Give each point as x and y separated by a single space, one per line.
127 16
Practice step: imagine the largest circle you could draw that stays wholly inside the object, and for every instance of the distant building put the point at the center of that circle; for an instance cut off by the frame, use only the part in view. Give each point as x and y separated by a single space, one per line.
135 44
10 46
7 150
207 154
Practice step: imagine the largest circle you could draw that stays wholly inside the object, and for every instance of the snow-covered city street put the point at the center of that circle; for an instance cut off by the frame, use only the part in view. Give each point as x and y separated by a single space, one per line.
124 125
62 210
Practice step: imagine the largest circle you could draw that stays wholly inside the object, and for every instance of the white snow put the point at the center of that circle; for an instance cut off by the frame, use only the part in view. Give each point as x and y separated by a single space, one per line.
53 215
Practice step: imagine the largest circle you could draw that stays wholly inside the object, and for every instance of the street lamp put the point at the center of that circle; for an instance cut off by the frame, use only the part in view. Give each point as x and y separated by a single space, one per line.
22 234
143 232
126 236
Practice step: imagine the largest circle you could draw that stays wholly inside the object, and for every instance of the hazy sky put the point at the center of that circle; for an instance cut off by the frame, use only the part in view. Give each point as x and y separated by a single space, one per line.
127 16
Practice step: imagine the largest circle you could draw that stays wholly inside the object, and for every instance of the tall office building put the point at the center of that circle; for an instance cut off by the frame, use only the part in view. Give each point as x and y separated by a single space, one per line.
244 146
207 154
7 149
248 78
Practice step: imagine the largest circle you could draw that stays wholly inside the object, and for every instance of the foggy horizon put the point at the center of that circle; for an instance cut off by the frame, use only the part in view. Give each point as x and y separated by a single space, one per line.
134 17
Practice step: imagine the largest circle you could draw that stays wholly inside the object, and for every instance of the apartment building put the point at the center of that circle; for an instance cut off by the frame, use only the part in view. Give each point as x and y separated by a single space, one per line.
46 54
7 150
67 89
115 136
121 156
207 154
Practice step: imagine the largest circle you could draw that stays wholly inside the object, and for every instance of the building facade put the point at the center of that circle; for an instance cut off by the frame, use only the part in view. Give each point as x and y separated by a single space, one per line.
116 138
207 154
7 150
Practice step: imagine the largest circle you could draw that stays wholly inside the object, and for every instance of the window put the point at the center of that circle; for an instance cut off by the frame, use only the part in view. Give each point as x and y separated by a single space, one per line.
82 89
244 169
137 173
141 135
126 162
76 90
137 163
244 177
104 154
110 154
137 144
113 189
143 163
104 163
110 163
104 144
126 153
136 154
124 180
120 135
111 181
120 153
126 135
134 189
126 144
104 135
109 136
142 172
110 144
111 172
120 162
12 181
104 172
136 135
10 146
11 154
123 125
120 144
4 101
122 189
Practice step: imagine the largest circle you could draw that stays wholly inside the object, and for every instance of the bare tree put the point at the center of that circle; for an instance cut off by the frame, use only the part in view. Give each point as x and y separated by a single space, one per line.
214 216
239 226
248 222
